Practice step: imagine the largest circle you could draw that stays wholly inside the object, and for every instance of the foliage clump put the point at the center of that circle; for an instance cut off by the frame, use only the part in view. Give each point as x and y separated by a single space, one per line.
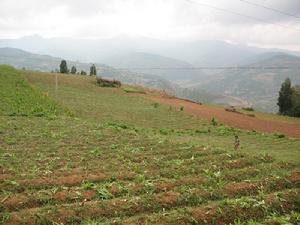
108 83
73 70
63 68
93 70
289 99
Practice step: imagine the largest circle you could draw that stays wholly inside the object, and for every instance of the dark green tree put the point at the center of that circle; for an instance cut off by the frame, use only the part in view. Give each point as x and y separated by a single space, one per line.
286 98
73 70
82 72
93 71
296 101
63 67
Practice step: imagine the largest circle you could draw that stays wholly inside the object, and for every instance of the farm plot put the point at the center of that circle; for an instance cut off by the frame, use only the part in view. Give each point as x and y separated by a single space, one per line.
90 169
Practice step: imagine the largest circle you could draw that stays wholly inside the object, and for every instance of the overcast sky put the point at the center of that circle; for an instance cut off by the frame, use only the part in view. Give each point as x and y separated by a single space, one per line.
161 19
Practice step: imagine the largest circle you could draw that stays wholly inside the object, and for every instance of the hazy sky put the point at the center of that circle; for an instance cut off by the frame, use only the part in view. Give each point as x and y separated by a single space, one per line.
161 19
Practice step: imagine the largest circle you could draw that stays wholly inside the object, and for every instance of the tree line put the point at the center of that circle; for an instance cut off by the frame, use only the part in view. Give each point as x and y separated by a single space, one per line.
63 68
289 99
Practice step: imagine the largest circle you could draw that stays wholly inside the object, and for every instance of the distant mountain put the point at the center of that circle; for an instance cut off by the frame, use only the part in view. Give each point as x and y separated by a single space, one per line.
197 53
22 59
165 67
258 86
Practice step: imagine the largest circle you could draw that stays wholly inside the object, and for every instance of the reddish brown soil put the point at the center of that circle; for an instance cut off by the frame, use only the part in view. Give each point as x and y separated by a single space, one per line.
114 190
294 177
126 176
167 198
165 186
241 188
69 180
4 177
61 196
229 118
15 201
239 163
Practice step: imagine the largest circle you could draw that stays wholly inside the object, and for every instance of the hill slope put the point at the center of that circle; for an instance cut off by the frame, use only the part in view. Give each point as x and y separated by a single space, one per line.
125 160
258 86
18 98
167 68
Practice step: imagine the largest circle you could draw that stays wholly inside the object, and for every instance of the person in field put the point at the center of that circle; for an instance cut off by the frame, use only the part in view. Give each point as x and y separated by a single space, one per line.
236 142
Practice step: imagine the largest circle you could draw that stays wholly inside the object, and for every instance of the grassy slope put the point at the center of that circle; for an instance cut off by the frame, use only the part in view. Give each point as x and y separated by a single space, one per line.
122 135
20 99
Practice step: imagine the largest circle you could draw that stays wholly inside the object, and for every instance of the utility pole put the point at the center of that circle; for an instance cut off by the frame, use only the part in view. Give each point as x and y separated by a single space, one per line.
56 84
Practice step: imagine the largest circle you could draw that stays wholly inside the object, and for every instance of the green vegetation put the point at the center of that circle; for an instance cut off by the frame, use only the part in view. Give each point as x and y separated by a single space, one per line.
73 70
93 71
18 98
63 67
125 160
289 99
136 90
249 109
108 83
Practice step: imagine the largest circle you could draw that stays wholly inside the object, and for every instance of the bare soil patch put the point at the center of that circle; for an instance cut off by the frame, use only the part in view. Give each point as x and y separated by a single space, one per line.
241 188
232 119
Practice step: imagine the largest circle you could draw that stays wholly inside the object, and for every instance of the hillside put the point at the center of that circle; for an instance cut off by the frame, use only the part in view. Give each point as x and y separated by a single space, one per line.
18 98
122 159
258 86
165 67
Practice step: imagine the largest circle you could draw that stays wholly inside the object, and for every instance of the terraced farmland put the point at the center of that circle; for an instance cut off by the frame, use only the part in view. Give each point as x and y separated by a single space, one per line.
121 159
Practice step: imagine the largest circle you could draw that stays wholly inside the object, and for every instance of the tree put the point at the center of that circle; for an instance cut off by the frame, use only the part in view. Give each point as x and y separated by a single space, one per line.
82 72
73 70
286 98
63 67
93 70
296 109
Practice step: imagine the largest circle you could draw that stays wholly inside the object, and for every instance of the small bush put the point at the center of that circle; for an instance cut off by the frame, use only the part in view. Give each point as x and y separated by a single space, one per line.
134 90
103 194
214 122
278 135
108 83
250 109
181 108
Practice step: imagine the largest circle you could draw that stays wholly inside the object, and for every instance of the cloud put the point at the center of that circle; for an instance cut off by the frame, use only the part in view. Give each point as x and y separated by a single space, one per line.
163 19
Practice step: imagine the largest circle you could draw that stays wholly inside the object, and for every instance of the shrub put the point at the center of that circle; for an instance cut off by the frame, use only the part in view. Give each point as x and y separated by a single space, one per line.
155 105
134 90
108 83
250 109
214 122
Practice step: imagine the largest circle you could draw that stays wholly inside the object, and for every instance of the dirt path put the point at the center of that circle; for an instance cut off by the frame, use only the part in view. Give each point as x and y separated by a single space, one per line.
230 118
